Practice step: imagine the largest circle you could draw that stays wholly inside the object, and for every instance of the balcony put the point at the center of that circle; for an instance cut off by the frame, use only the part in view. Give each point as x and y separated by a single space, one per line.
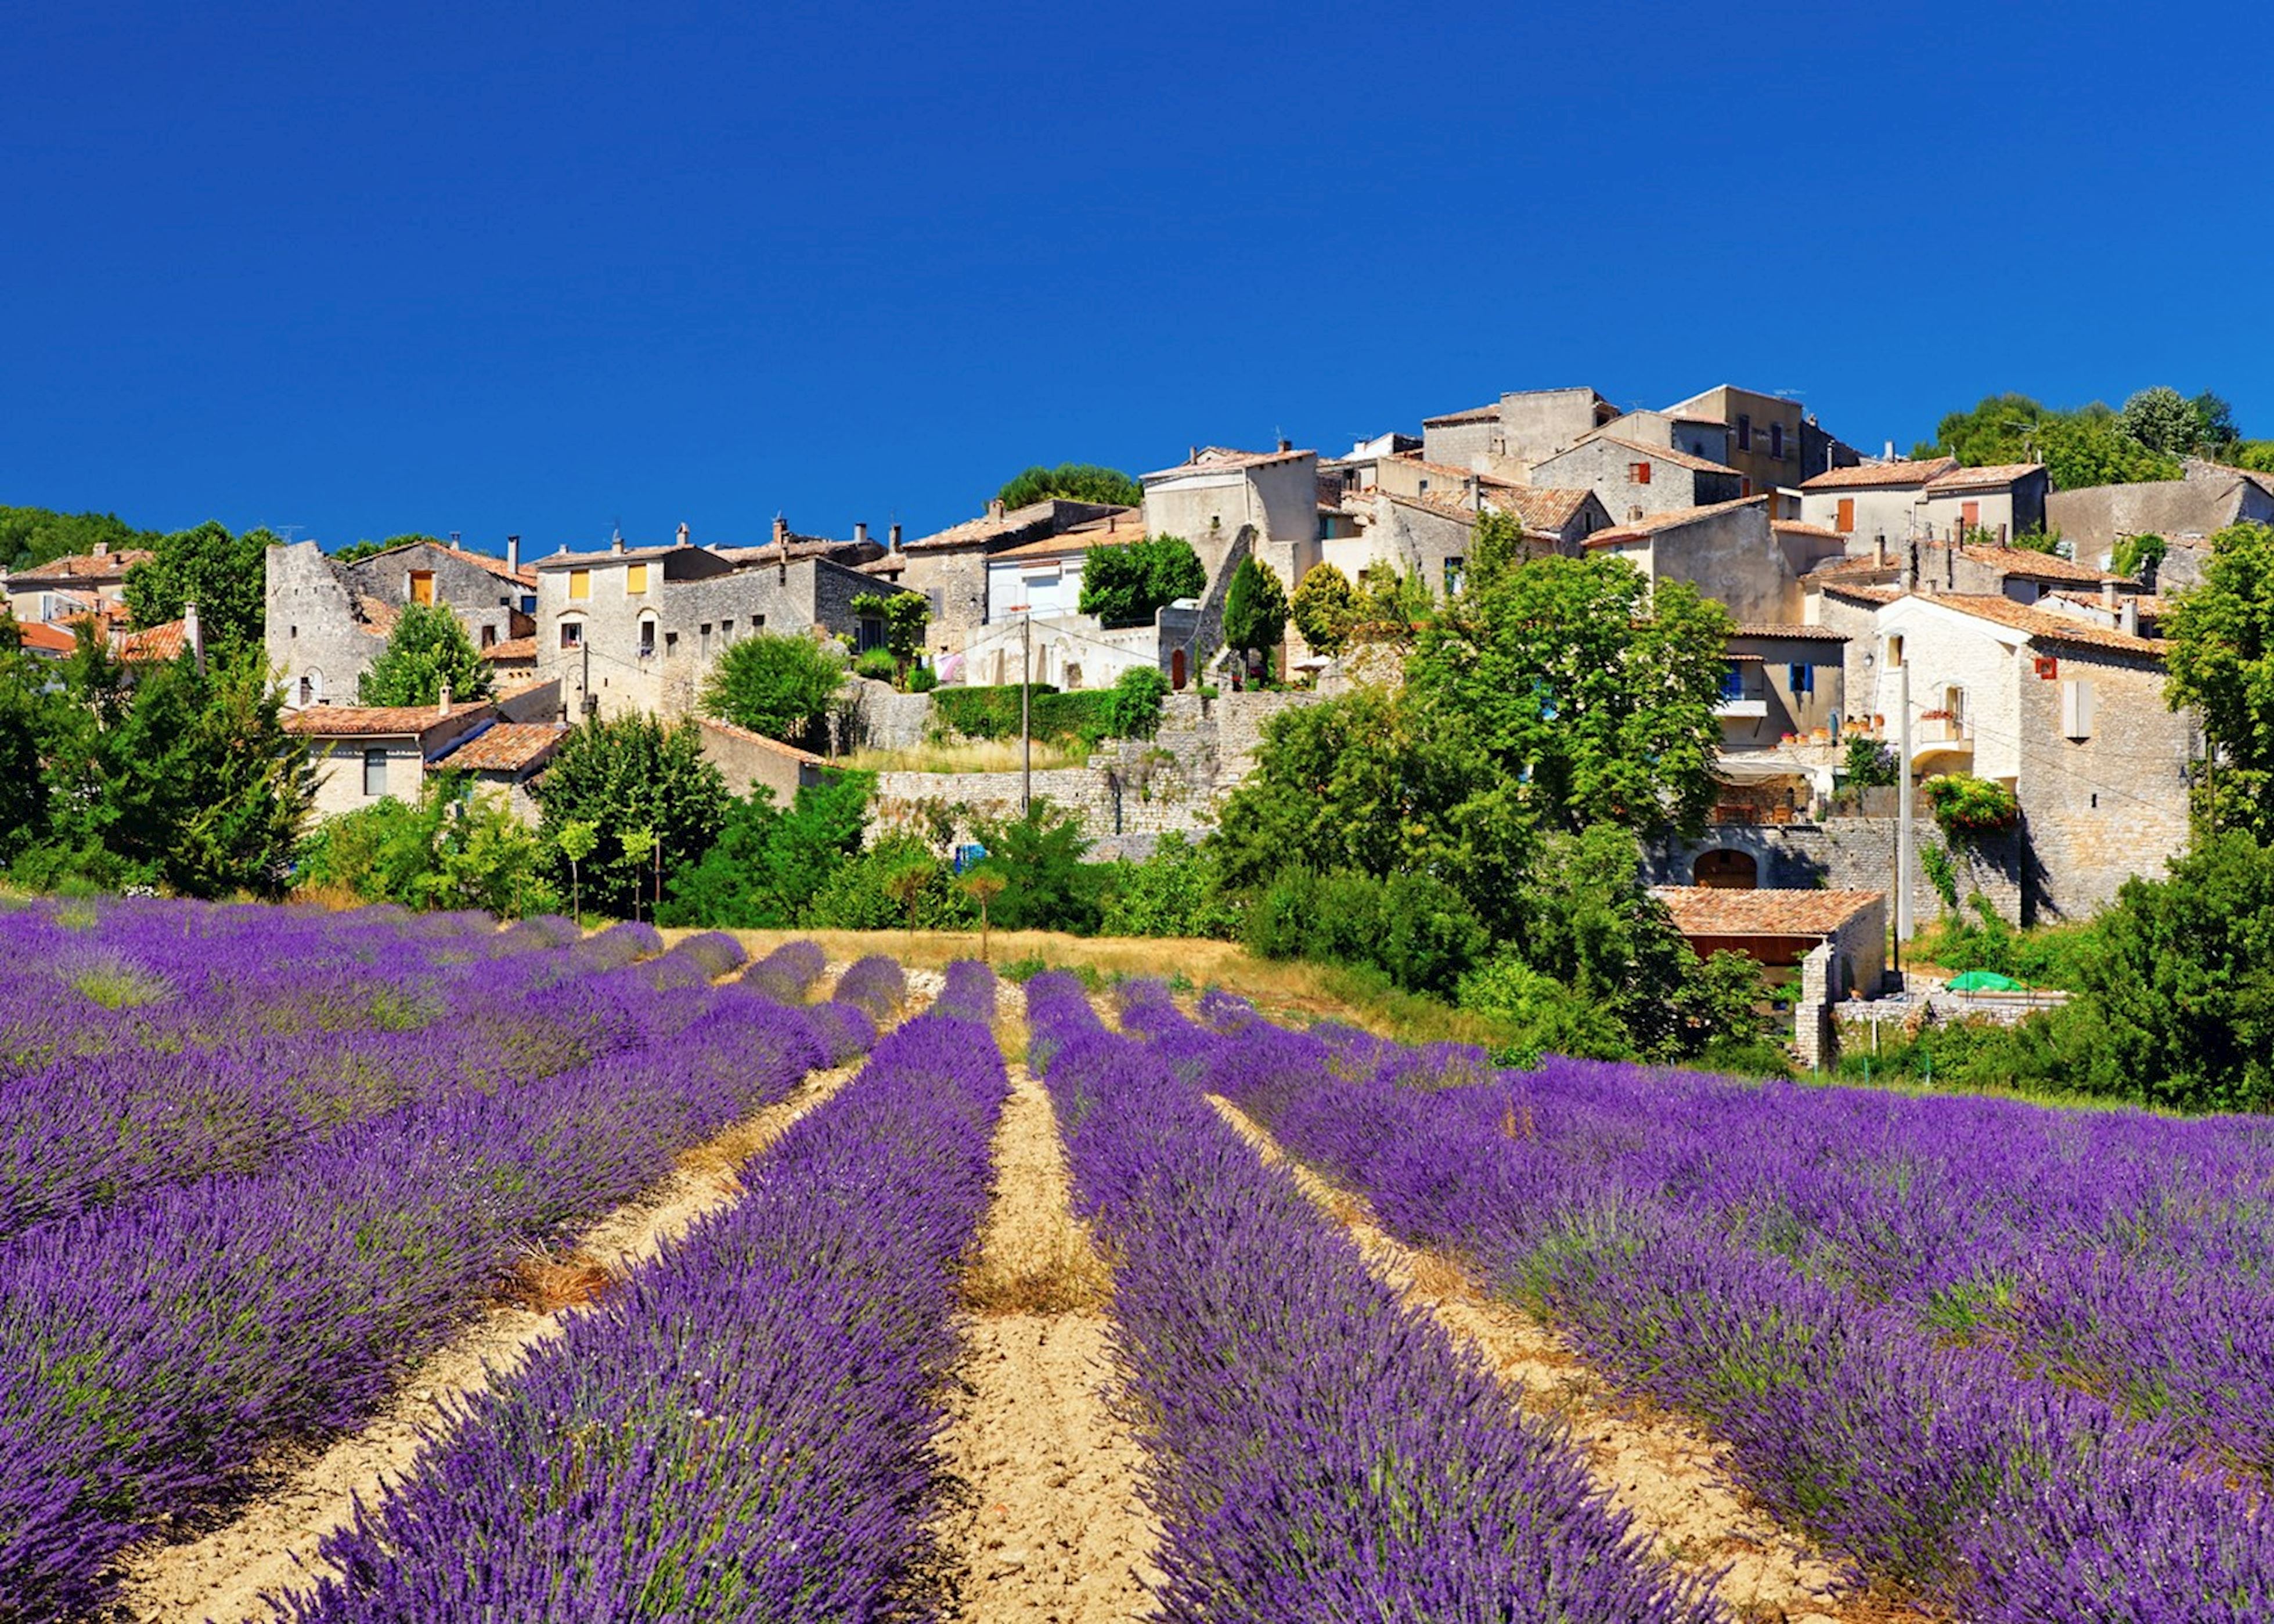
1742 709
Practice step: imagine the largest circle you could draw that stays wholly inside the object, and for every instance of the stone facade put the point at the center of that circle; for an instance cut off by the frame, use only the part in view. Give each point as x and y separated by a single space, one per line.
1210 499
328 621
1635 481
950 566
2205 502
1730 552
748 759
1854 854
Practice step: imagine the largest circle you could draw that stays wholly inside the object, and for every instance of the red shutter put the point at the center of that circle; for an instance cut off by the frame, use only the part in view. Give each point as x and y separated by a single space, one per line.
1641 472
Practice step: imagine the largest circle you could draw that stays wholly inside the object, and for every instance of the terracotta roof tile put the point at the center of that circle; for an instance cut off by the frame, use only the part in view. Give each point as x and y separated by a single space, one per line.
1987 477
1705 911
526 576
506 746
1215 459
1868 475
42 637
1771 628
1540 506
364 721
1661 454
1680 518
156 646
1474 414
512 652
1858 592
2025 565
2043 625
83 566
1794 527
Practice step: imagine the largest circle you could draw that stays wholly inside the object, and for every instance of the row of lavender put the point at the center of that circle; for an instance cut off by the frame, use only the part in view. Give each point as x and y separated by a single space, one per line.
1318 1449
153 1348
1786 1264
745 1430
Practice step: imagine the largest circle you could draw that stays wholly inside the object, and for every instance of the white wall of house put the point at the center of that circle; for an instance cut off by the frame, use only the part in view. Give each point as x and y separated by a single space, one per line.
1869 511
1049 586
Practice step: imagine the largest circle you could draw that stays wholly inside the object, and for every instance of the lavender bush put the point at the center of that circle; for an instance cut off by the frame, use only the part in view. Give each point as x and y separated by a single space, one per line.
746 1430
968 994
876 983
788 972
1318 1449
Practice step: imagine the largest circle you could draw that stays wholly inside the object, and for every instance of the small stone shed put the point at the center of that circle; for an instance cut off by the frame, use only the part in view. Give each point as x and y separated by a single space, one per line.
1780 928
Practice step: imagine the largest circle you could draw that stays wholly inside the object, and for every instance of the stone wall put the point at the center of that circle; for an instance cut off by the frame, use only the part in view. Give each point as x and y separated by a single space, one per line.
1858 854
1814 1041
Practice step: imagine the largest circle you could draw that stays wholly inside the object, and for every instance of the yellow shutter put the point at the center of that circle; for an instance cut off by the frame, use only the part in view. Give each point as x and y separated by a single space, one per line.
422 586
580 583
635 578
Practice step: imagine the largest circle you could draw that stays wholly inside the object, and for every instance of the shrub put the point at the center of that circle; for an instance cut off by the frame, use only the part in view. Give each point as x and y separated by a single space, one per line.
922 679
993 712
1133 704
1129 582
876 664
1171 893
778 686
1871 764
1936 861
1966 805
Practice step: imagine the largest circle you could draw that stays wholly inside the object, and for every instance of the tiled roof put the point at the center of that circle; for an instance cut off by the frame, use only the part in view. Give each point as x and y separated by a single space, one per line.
378 615
1866 476
1794 527
2025 565
1988 476
363 721
1857 564
1680 518
744 735
891 564
525 576
1540 507
1858 592
1771 628
41 638
1461 507
507 747
1218 459
1057 546
83 566
1706 911
156 646
512 650
987 526
1664 454
566 560
1475 414
2044 626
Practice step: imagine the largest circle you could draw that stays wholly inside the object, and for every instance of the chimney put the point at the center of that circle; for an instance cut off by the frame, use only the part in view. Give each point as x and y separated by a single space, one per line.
896 538
2127 618
616 542
455 538
194 635
861 532
682 532
102 549
2108 595
443 709
1193 454
1286 445
1891 451
513 553
994 509
1879 550
781 533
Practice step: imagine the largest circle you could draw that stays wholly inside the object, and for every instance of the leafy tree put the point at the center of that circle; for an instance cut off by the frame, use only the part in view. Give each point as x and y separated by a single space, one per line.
1392 604
186 780
1414 928
2222 664
2138 556
2164 420
769 862
2217 431
1871 764
2082 447
2255 454
1590 691
427 652
1966 805
1255 608
1046 884
638 845
1496 546
983 888
225 576
897 882
631 774
30 536
1078 482
455 847
33 716
1134 710
778 685
904 615
1172 893
1546 1016
1325 608
1127 583
576 839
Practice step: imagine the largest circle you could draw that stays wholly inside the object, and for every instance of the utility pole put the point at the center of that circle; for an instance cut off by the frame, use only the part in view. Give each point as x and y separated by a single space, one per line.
584 682
1026 719
1906 851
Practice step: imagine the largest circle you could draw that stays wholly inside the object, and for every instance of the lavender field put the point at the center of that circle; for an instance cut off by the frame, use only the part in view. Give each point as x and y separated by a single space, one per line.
260 1167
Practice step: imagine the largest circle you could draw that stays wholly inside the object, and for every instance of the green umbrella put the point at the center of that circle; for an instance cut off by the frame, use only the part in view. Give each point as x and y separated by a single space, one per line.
1984 981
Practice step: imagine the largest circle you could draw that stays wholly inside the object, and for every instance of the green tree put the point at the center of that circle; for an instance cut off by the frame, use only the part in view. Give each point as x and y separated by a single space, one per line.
1870 764
2079 449
1496 546
1325 608
427 652
34 717
2162 420
357 551
225 576
1046 884
904 615
1133 708
1080 482
898 880
30 536
186 780
576 838
632 774
453 847
1392 605
2216 434
2138 556
769 862
1589 691
1254 609
2086 450
779 685
1127 583
1174 892
2221 664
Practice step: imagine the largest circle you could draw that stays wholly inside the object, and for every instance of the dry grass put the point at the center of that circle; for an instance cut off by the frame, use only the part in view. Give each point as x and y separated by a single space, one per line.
546 1284
1062 1276
975 755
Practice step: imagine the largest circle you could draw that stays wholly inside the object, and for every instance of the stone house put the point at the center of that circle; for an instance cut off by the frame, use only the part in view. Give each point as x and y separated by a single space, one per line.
1780 928
2019 573
2006 499
1786 680
749 760
1516 432
1773 441
328 621
1706 438
1873 500
1216 495
82 583
505 756
950 567
363 753
1635 480
639 629
2069 715
2185 512
1731 552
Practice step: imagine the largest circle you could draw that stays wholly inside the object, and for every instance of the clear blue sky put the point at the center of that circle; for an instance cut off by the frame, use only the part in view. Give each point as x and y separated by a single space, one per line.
539 268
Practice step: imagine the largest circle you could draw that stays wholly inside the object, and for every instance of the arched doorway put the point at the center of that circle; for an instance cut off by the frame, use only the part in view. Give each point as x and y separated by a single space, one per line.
1177 671
1723 869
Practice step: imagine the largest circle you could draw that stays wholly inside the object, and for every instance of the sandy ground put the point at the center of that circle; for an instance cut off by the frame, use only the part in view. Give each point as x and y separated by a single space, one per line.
1665 1473
1049 1530
270 1544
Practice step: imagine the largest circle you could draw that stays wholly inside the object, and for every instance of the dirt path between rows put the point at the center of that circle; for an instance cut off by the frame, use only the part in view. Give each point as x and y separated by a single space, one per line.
1049 1530
271 1545
1665 1473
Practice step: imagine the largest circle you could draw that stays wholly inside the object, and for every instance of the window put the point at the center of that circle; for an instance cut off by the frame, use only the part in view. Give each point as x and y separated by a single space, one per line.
1803 681
670 643
1452 576
1424 486
1847 520
1639 472
1969 515
422 586
295 631
1733 683
635 579
726 629
870 633
1776 440
375 773
307 693
572 634
2076 708
1954 704
1895 650
489 635
580 583
647 636
1744 431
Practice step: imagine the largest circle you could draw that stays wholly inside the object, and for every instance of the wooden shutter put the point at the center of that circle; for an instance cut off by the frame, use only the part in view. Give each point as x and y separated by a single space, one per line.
422 586
1847 522
2076 708
635 578
580 583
